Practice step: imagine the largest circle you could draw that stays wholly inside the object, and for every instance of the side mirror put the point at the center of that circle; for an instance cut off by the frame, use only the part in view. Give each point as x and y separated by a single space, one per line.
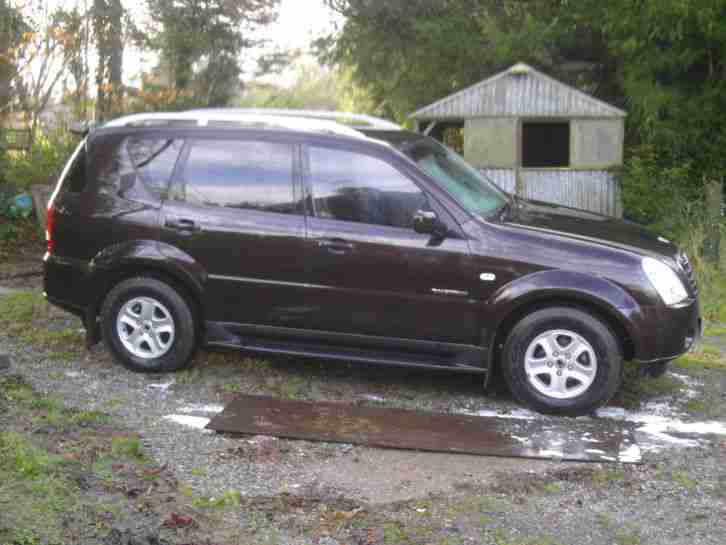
426 222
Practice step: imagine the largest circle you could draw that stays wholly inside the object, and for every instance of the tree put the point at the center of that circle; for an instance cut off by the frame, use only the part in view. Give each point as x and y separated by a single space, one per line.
662 60
108 18
409 54
201 41
76 24
13 31
314 88
40 59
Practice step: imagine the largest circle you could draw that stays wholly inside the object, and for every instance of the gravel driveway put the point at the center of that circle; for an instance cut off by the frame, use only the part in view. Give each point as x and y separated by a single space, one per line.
678 496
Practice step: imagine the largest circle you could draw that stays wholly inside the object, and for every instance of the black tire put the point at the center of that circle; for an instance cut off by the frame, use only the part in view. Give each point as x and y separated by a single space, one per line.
608 376
183 346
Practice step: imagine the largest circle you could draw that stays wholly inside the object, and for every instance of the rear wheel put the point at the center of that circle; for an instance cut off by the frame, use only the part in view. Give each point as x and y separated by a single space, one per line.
562 361
148 326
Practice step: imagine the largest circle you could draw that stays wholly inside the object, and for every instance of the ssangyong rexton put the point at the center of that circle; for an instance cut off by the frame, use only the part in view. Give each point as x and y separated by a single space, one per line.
294 235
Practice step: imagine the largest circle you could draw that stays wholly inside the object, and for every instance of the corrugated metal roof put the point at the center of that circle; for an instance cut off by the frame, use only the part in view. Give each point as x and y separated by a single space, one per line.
520 91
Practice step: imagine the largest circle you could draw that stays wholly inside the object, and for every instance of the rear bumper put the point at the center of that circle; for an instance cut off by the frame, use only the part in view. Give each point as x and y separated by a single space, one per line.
668 332
67 284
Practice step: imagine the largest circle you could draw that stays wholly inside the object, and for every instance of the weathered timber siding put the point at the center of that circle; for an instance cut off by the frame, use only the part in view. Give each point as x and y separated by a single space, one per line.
595 191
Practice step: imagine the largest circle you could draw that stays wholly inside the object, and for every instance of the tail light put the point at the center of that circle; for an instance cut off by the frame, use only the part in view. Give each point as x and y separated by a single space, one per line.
49 225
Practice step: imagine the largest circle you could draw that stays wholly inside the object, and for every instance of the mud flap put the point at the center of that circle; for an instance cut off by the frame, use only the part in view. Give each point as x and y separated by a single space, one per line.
93 331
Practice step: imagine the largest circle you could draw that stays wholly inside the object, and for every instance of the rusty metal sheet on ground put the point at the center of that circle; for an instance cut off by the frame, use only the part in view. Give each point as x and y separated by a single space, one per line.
584 440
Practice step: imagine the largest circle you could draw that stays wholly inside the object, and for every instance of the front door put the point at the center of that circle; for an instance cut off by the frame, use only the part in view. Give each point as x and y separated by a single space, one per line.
235 209
370 273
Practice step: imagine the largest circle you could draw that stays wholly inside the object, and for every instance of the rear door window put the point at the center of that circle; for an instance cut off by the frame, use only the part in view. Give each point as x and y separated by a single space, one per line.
240 174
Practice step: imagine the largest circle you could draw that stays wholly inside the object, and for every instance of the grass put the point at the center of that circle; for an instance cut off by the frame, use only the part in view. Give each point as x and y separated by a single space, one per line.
607 476
231 498
37 492
552 488
627 537
715 331
20 314
706 358
127 447
68 476
683 479
637 390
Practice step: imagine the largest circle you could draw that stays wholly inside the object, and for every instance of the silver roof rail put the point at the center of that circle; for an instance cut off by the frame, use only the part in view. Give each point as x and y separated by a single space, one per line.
203 118
359 121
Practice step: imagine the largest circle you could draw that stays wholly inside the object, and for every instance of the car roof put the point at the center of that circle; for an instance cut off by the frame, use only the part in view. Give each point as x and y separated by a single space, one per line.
299 121
228 120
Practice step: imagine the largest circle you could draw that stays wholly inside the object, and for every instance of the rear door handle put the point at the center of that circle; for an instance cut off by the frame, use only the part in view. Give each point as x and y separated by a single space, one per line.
336 246
182 225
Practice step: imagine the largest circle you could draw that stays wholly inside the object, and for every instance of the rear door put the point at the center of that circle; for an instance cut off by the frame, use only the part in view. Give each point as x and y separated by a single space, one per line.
370 272
235 209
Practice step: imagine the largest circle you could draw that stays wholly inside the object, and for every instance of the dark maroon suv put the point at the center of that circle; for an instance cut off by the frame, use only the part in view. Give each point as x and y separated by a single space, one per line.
291 234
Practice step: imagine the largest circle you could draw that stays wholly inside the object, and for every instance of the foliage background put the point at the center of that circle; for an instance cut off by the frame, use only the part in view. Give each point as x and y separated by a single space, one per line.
662 60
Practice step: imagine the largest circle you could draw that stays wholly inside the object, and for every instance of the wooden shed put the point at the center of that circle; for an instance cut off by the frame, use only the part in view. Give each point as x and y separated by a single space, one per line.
536 136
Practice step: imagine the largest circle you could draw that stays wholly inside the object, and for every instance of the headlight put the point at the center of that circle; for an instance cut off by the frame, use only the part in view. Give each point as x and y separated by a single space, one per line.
665 281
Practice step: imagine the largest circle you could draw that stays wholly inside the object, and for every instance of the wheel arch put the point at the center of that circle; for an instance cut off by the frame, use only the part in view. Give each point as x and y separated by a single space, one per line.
601 298
150 259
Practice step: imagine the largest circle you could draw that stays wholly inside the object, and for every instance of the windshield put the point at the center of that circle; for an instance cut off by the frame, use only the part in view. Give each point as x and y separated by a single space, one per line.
475 193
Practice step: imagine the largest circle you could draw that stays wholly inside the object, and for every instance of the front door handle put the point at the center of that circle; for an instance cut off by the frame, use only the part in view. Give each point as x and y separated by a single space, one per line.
336 246
182 225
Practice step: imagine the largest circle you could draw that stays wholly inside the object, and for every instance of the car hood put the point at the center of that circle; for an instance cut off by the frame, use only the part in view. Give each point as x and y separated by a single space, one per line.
589 226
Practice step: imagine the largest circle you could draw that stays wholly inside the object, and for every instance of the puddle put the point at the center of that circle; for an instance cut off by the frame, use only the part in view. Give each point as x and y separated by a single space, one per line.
659 426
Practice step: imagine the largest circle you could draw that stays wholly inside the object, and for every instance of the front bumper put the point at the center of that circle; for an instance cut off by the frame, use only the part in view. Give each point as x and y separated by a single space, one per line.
668 332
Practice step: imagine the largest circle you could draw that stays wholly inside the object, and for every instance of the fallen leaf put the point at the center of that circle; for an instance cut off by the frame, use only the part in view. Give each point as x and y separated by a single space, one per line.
347 515
178 521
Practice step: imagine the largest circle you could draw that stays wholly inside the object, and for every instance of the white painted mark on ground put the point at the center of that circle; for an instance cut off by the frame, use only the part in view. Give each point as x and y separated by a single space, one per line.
162 387
196 422
208 409
631 454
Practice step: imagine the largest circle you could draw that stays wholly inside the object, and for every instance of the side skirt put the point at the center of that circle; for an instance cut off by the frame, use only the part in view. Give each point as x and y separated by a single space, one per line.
347 347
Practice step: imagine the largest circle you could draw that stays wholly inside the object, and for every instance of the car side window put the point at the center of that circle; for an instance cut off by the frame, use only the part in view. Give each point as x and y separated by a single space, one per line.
136 167
154 160
243 174
360 188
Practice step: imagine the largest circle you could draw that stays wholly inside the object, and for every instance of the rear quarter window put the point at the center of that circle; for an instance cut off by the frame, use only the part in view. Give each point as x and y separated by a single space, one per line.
75 181
154 160
137 167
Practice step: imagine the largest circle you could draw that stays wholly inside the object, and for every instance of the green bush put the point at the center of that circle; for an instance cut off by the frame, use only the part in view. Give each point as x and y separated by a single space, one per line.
692 227
42 163
654 192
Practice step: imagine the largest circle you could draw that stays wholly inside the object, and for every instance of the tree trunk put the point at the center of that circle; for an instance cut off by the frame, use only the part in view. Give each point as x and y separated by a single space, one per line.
108 27
99 28
115 68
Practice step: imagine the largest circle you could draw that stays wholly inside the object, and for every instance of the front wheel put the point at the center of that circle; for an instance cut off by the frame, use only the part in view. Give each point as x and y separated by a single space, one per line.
148 326
562 361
